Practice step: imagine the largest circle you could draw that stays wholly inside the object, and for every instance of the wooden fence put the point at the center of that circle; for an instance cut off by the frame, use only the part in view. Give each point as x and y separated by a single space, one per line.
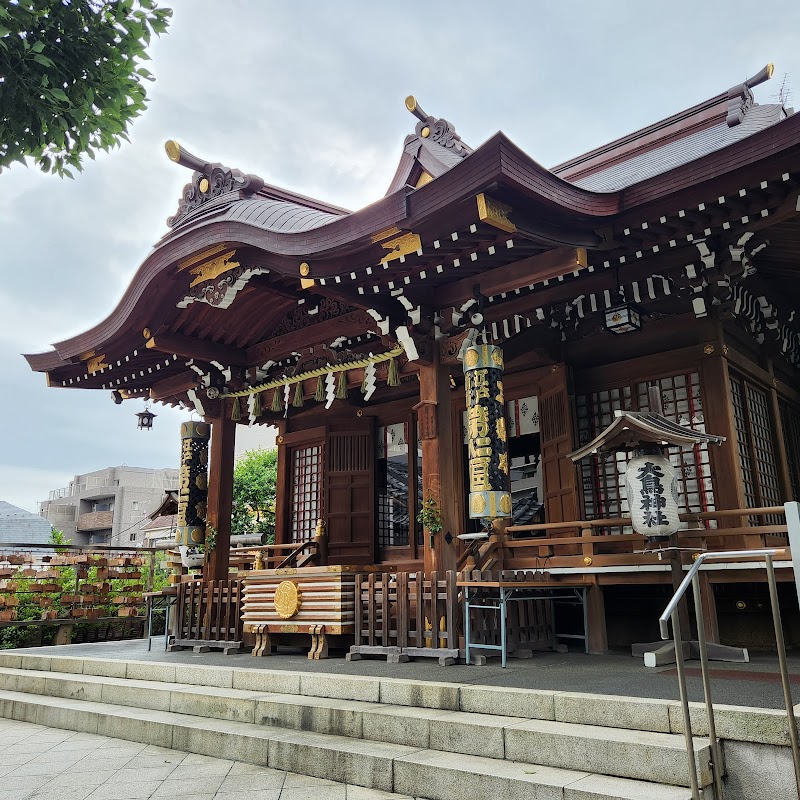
405 615
209 615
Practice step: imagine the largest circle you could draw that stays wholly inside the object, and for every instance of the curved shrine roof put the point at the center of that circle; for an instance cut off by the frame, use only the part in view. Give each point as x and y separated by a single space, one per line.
225 208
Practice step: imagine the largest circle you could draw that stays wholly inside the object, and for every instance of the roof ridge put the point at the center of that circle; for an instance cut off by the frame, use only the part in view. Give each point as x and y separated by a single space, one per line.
731 105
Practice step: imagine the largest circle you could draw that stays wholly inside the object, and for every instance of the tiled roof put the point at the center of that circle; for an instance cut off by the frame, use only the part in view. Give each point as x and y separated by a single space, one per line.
160 523
680 151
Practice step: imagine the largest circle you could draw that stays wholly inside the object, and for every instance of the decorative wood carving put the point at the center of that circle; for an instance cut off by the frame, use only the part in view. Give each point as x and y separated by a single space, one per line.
214 268
450 347
403 245
210 183
301 317
495 213
439 131
222 291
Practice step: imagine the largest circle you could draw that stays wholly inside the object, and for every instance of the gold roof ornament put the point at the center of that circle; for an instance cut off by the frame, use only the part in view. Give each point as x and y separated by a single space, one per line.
173 149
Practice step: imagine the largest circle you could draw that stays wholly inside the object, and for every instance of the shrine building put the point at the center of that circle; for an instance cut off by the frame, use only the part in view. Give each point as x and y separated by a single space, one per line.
666 258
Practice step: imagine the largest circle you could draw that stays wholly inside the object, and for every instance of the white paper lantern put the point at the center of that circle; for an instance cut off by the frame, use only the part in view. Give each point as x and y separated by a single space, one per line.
652 491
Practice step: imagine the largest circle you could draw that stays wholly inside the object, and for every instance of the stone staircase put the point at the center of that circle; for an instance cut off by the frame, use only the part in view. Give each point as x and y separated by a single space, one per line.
423 739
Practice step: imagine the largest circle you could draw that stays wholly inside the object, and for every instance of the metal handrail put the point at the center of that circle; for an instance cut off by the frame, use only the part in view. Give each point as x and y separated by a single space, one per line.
671 613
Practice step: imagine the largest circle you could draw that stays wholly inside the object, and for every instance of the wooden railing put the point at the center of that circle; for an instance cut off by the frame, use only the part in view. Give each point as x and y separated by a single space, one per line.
592 542
209 614
279 556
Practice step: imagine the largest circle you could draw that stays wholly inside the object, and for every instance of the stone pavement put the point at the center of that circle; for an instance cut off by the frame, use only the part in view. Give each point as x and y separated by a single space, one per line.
39 763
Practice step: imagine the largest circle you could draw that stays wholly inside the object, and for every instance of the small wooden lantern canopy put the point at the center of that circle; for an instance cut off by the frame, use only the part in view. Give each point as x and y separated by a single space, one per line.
633 430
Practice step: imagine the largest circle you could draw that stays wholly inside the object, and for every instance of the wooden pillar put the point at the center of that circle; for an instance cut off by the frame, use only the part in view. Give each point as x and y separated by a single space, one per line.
718 414
710 621
781 457
596 620
220 495
435 421
282 531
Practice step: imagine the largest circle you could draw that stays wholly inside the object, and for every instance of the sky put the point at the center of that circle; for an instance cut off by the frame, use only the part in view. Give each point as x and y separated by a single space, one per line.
309 95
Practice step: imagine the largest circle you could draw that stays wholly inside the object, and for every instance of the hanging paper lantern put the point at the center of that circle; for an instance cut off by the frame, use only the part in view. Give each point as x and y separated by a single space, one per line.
652 492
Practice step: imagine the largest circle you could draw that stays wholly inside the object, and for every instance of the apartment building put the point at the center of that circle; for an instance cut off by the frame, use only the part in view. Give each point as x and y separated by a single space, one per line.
109 506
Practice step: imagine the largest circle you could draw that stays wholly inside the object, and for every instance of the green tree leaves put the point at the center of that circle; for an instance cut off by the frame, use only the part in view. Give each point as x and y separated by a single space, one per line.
254 483
71 79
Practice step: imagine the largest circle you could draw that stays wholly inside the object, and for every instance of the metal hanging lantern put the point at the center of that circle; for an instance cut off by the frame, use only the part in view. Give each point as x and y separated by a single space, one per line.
146 418
624 318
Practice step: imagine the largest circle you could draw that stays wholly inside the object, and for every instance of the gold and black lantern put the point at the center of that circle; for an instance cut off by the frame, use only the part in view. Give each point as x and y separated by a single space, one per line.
193 485
487 440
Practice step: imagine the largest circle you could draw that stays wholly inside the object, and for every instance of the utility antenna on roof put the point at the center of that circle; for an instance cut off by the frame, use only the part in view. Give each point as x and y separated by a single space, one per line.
784 93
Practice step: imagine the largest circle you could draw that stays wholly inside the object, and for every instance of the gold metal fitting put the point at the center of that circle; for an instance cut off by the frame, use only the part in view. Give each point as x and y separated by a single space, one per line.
588 561
695 556
146 333
173 149
411 103
708 349
360 412
204 184
280 440
425 132
741 605
305 270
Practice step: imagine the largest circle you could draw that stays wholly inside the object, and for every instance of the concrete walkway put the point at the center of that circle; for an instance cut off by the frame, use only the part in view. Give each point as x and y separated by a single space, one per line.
38 763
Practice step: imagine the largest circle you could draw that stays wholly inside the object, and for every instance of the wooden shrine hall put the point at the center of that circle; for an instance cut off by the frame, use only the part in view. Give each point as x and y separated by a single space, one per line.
666 258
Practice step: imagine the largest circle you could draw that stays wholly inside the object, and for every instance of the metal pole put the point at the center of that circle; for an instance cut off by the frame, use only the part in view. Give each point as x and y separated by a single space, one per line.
466 622
792 511
787 692
716 766
503 627
687 722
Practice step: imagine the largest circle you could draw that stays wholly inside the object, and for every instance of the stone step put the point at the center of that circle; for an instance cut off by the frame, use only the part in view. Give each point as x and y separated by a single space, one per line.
642 755
418 772
605 710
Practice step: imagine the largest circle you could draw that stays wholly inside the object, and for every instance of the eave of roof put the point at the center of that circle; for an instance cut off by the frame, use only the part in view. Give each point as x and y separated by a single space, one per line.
497 162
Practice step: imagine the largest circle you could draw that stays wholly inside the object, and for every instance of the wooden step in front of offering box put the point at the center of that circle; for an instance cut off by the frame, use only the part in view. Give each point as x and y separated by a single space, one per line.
300 606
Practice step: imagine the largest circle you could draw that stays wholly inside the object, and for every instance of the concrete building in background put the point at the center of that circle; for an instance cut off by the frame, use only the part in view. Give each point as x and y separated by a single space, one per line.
25 527
110 506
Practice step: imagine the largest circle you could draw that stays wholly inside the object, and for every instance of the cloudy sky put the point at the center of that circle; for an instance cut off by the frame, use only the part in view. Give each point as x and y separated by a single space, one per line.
309 95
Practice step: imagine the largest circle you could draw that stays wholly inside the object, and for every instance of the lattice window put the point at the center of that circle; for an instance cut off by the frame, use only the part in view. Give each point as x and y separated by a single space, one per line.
306 491
790 424
743 442
393 481
603 475
756 443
